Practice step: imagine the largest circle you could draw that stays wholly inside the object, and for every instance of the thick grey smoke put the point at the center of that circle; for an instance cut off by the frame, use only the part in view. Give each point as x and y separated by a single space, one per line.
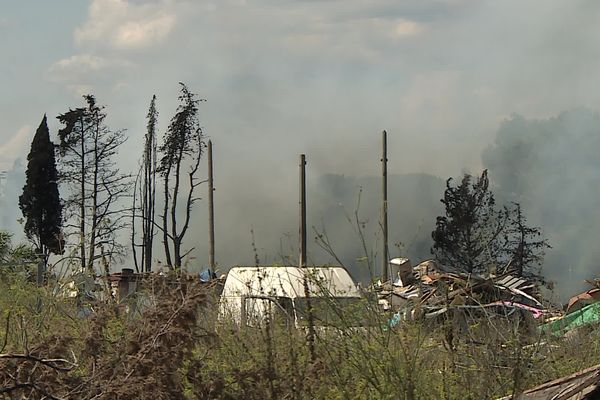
334 201
552 167
321 78
549 165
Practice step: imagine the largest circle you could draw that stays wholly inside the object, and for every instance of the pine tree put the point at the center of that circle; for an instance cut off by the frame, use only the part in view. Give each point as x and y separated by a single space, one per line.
477 237
40 201
469 236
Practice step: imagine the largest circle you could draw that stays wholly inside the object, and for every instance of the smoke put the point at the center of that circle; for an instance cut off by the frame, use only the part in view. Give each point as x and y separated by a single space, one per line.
324 78
551 166
337 205
12 181
548 165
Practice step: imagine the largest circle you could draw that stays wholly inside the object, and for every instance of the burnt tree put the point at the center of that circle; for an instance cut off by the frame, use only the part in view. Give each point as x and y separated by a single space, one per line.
525 245
95 185
145 188
181 151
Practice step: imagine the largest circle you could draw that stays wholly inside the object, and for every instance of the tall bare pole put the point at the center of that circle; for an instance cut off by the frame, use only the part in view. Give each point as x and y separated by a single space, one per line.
302 202
384 210
211 211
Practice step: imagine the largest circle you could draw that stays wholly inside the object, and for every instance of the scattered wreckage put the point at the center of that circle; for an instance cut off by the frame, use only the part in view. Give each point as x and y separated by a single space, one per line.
427 290
430 289
581 310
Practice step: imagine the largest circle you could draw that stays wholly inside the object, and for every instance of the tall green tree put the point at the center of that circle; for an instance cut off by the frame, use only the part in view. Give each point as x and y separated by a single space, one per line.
476 236
40 202
468 236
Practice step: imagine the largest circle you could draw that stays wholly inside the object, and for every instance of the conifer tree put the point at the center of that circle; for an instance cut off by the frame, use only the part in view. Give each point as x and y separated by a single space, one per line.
468 236
477 237
40 202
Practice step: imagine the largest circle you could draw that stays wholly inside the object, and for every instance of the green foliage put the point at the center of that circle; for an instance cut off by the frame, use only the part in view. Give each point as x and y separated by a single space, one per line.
468 236
487 357
183 146
40 201
15 257
172 348
477 237
184 135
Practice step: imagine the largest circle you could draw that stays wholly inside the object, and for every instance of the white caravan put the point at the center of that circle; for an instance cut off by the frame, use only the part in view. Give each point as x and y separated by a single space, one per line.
251 294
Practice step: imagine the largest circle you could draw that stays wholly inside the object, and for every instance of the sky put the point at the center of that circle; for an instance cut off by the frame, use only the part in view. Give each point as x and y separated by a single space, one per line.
282 77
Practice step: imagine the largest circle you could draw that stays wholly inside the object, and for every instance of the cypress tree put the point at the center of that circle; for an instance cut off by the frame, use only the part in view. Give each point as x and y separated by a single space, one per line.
40 201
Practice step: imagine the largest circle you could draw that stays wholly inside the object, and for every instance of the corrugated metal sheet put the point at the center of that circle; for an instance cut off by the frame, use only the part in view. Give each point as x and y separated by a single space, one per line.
582 385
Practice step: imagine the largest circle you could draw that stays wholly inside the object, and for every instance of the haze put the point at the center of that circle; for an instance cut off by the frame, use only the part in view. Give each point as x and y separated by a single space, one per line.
317 77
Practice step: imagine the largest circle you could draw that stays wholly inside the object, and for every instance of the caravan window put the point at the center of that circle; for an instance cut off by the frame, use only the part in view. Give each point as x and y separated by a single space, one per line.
258 308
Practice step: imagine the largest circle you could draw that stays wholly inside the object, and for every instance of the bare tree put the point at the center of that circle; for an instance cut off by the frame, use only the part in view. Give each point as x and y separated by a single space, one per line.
182 147
87 168
145 186
525 245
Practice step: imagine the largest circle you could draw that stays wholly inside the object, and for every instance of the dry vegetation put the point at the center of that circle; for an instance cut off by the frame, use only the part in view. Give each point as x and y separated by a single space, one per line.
165 345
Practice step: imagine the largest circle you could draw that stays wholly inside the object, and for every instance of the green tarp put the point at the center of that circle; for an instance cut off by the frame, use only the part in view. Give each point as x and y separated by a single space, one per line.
587 315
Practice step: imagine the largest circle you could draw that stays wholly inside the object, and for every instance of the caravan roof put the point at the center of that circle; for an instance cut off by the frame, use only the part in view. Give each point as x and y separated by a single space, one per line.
282 281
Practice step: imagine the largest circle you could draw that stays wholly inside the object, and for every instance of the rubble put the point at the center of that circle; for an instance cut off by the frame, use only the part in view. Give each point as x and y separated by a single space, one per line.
569 322
431 289
583 299
581 310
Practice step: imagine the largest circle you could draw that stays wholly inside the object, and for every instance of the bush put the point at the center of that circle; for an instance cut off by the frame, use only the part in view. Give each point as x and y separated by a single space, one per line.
172 348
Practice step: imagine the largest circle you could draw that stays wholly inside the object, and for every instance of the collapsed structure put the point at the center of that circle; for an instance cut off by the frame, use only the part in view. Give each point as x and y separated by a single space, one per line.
581 310
430 289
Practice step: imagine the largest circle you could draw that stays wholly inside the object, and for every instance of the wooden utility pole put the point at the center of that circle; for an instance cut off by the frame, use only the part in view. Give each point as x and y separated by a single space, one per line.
211 211
302 202
384 210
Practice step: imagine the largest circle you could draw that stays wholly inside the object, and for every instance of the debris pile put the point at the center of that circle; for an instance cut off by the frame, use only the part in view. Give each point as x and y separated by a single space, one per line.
581 310
430 289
